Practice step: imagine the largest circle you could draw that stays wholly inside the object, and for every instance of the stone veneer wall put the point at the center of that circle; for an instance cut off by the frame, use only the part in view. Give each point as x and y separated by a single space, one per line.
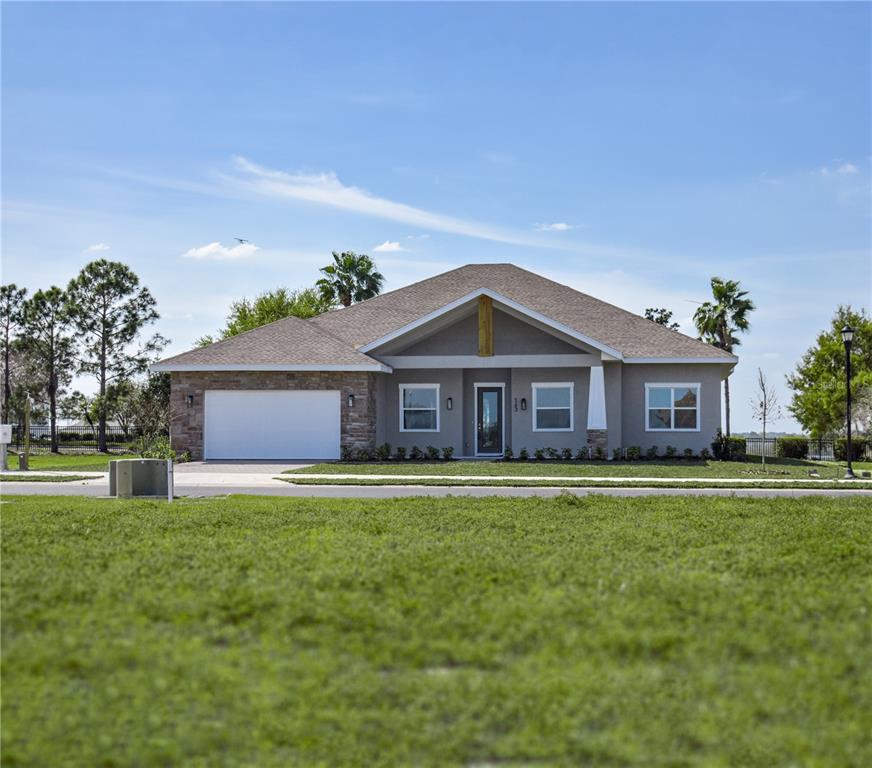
598 438
357 424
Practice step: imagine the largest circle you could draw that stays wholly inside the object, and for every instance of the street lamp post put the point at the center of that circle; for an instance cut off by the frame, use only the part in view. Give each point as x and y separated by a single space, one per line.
847 338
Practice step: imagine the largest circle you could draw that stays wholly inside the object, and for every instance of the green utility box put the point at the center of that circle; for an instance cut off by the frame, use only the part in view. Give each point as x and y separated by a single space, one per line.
140 477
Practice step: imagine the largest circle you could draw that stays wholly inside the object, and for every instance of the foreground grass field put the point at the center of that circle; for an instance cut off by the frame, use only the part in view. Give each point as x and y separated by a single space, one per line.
775 468
574 631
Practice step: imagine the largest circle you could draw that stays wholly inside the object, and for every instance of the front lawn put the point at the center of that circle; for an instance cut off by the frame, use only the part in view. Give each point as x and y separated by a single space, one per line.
69 462
775 468
571 631
36 478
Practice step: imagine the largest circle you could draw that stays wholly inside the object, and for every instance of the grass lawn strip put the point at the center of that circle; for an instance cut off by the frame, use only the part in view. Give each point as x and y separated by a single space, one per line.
437 632
775 468
76 462
568 482
57 477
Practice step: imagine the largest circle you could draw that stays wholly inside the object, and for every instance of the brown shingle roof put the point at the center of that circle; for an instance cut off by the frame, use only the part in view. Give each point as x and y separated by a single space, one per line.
288 342
629 334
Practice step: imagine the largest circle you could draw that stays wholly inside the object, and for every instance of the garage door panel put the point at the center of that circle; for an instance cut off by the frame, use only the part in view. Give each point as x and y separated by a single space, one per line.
271 424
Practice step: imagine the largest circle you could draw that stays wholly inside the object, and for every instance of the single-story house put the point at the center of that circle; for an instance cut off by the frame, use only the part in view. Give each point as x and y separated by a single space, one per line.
480 358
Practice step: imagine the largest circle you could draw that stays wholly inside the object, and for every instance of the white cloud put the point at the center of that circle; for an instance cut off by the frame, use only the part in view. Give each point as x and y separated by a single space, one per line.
498 158
417 237
388 246
96 248
557 226
326 189
217 252
839 168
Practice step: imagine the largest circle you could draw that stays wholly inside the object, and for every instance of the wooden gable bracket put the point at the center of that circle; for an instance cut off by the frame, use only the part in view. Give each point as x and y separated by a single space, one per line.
485 326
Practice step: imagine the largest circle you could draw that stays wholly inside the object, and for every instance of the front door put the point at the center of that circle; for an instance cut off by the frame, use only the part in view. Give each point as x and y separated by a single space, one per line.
489 421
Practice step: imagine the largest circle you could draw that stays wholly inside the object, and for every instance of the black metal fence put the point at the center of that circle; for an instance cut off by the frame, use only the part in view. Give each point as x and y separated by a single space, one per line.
74 439
819 449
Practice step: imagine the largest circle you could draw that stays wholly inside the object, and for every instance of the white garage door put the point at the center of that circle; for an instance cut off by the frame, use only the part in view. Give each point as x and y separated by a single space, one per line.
271 424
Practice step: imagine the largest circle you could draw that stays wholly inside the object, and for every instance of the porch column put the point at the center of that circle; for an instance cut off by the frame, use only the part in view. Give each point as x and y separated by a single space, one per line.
597 428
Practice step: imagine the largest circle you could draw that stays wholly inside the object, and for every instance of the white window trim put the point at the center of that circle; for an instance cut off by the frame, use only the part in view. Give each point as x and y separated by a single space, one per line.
554 385
665 385
489 385
438 408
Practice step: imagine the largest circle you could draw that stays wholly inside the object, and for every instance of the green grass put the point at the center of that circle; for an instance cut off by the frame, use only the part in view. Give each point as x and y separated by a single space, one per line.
573 631
775 468
67 462
36 478
568 482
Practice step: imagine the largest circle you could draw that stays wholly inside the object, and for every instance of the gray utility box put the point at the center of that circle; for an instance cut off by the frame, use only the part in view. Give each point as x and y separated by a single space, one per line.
140 477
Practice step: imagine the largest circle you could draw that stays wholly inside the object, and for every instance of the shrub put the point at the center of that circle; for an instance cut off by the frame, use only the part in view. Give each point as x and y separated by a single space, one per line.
346 454
383 452
447 452
617 454
704 454
523 455
858 448
508 455
416 454
583 453
566 454
155 447
651 453
401 453
599 453
728 448
432 453
363 454
634 453
688 453
670 451
539 453
791 448
552 453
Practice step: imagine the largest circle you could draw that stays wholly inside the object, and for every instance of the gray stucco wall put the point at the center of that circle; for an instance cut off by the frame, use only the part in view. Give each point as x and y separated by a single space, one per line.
511 337
450 422
634 378
522 434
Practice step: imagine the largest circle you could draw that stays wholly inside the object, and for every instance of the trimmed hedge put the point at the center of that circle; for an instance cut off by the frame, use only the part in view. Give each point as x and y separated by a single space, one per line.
859 446
791 447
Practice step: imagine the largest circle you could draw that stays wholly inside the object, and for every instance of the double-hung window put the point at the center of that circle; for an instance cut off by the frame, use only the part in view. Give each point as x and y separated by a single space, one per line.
419 407
553 407
672 407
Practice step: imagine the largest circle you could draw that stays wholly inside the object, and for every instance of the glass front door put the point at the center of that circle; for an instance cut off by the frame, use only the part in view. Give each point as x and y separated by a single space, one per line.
489 421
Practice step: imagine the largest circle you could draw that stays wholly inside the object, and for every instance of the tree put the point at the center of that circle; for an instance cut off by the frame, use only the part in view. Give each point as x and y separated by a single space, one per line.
350 278
110 310
46 325
818 383
11 304
268 307
79 406
764 406
661 316
718 322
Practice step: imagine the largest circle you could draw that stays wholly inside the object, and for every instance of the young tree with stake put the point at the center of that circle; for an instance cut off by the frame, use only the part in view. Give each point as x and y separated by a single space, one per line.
764 406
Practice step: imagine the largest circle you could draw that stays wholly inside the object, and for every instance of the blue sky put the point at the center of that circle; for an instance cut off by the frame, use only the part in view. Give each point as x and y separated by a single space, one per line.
629 150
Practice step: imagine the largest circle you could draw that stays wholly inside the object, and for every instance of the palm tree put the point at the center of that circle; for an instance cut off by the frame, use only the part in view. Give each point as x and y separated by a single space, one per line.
350 278
720 320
